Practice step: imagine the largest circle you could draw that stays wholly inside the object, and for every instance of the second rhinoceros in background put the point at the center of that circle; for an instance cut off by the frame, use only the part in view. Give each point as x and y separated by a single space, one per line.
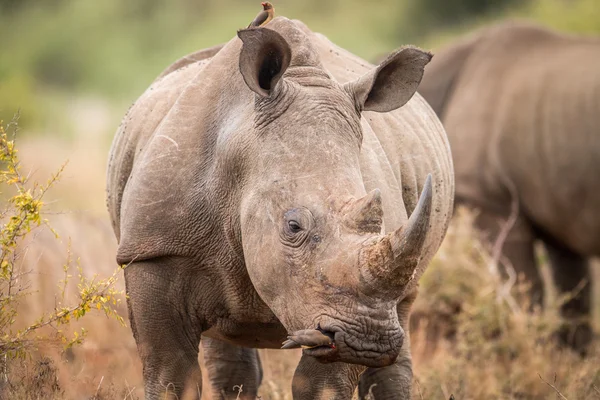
521 105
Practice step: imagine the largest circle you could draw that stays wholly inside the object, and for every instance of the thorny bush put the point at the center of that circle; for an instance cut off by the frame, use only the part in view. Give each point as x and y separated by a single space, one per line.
20 215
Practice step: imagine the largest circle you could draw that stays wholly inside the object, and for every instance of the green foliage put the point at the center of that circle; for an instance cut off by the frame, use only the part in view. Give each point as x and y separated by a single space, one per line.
18 91
580 16
11 6
577 16
114 48
428 15
21 215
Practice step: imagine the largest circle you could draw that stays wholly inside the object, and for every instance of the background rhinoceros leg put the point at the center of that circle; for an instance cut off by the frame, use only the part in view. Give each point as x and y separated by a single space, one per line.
167 338
316 381
572 277
395 381
230 365
518 251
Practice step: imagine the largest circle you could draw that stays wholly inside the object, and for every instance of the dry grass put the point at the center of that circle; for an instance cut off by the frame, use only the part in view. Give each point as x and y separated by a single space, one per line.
475 338
472 338
109 353
467 339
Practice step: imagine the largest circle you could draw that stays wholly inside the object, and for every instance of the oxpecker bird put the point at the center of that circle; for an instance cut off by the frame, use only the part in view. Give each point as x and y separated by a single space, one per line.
264 16
309 339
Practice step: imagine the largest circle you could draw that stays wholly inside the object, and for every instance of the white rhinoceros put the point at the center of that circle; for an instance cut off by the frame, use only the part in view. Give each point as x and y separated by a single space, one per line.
521 105
274 186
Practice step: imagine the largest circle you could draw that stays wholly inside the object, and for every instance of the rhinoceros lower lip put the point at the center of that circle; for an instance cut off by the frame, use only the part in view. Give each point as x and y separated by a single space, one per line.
321 351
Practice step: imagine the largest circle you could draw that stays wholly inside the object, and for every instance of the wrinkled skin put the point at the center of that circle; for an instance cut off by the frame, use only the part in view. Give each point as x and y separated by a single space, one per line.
520 105
273 186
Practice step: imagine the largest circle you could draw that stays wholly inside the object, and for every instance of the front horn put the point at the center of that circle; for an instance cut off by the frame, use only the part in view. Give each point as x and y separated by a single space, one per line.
388 265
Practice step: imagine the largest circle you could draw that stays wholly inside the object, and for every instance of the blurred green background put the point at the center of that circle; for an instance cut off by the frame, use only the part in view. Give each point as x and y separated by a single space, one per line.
74 66
53 50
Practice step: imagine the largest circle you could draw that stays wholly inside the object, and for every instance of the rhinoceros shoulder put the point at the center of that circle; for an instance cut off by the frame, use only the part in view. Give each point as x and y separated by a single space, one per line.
141 121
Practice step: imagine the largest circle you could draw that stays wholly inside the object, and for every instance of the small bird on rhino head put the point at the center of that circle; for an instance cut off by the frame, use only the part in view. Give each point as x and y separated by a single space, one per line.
264 16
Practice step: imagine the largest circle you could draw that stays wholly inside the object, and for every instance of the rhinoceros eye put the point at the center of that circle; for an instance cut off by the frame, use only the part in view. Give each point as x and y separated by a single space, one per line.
297 224
294 226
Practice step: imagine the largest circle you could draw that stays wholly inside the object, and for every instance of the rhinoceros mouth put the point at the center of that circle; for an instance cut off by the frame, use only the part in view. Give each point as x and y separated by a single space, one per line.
323 353
337 345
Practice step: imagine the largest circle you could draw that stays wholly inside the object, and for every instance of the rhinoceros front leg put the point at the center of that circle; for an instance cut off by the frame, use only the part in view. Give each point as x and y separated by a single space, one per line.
394 381
232 368
316 381
166 333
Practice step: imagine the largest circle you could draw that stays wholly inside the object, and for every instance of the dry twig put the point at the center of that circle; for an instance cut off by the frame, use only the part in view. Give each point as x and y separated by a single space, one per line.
419 389
98 388
239 391
129 391
558 393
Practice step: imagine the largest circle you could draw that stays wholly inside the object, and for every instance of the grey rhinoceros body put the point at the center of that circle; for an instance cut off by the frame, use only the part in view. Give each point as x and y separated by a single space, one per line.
265 188
521 107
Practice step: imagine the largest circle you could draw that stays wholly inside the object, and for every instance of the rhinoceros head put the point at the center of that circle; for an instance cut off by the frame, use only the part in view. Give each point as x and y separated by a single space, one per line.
312 237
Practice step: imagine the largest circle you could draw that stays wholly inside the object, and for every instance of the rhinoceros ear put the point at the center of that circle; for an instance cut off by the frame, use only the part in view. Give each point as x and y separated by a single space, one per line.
264 58
392 83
